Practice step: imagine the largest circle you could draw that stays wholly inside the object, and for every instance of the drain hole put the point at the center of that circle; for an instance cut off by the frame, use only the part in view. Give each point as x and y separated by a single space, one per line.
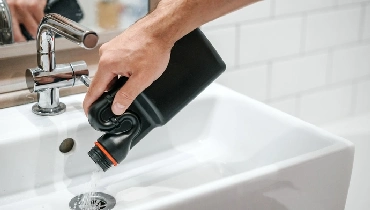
66 145
94 204
92 201
98 204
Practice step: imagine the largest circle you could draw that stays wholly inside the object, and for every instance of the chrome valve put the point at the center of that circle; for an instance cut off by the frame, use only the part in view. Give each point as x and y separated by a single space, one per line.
48 77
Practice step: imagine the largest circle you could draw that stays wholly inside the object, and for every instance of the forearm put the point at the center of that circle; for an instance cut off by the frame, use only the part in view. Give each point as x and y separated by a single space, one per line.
172 19
142 51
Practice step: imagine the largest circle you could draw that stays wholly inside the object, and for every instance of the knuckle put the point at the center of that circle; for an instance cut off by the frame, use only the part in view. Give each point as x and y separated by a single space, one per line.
103 62
108 62
102 49
33 5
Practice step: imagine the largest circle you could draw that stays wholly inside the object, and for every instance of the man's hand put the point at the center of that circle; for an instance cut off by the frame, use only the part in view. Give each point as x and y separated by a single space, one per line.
142 52
26 12
135 54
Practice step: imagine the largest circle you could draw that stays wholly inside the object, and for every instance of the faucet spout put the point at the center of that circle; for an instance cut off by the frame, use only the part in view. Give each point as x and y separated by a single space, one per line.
53 24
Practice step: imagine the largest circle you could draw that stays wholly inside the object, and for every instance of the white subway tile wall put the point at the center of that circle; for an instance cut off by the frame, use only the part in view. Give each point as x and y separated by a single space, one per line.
296 6
252 12
340 2
223 39
362 97
288 105
296 75
328 104
366 23
270 39
250 81
331 28
307 58
350 63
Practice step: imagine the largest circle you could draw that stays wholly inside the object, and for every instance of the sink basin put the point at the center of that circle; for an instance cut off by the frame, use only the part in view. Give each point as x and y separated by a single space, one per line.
222 151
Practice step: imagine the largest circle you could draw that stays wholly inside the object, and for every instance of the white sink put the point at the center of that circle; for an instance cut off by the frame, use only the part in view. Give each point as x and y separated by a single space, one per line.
222 151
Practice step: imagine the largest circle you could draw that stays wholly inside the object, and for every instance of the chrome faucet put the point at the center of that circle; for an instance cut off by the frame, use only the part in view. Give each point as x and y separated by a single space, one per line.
48 77
6 29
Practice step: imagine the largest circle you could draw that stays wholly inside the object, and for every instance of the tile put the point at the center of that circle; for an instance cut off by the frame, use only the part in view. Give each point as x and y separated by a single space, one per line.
341 2
295 6
366 31
363 97
288 105
251 81
351 63
258 10
332 28
326 105
293 76
267 40
223 40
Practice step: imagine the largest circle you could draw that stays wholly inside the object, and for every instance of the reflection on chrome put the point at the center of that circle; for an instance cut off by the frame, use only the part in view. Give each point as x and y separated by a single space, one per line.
48 77
6 34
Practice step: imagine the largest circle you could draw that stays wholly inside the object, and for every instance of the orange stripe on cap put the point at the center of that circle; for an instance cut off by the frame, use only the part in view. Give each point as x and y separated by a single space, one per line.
106 153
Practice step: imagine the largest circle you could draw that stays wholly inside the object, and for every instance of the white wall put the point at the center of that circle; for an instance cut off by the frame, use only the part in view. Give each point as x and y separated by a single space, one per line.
310 59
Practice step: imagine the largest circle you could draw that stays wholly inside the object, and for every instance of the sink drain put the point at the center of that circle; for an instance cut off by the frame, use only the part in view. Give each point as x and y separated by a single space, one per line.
92 201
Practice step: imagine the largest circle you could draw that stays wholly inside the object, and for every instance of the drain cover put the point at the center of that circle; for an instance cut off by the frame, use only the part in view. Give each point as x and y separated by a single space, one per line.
92 201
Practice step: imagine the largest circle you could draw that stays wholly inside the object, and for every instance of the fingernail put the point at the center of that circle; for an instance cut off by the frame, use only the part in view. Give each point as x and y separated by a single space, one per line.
118 108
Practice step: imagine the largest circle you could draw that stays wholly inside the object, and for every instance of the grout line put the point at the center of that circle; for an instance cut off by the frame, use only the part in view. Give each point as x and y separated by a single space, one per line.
329 67
273 9
246 22
323 87
336 4
303 33
362 79
353 99
362 22
269 80
287 16
308 53
237 46
298 105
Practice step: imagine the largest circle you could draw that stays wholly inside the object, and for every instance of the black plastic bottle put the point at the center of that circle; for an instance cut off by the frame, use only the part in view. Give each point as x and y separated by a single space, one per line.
193 65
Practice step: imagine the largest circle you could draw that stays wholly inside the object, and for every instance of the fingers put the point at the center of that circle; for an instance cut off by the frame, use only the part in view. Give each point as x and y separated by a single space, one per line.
126 95
18 37
111 83
39 6
31 25
40 14
97 87
26 12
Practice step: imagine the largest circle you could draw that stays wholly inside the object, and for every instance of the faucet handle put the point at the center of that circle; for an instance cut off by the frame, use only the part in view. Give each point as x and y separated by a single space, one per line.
85 79
80 72
64 75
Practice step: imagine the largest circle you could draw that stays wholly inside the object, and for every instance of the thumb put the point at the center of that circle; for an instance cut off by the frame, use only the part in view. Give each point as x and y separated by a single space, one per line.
127 94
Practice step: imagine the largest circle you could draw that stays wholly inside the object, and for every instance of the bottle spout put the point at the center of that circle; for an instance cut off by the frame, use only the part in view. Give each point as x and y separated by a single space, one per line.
111 148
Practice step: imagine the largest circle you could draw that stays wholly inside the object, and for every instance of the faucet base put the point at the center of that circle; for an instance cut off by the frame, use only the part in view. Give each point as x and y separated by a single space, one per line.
61 108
